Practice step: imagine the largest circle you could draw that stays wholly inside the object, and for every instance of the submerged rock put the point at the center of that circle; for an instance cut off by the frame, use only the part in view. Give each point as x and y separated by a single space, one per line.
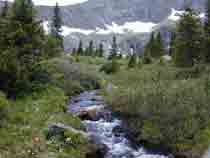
118 131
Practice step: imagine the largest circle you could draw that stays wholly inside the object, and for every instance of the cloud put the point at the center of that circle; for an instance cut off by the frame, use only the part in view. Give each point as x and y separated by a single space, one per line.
53 2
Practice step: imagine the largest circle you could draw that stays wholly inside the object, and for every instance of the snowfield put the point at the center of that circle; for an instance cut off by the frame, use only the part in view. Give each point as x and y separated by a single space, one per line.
127 27
68 30
132 27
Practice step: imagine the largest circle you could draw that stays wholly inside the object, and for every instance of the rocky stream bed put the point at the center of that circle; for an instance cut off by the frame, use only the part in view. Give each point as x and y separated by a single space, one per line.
104 129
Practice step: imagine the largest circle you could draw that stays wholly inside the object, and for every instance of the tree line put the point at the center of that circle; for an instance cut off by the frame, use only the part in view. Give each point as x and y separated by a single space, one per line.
90 50
189 43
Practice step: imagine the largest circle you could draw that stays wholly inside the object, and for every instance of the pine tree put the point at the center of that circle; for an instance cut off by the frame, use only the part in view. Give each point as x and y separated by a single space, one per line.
5 9
74 51
80 50
101 50
90 50
86 51
149 48
26 33
21 47
113 52
158 47
188 43
207 32
56 26
172 43
4 26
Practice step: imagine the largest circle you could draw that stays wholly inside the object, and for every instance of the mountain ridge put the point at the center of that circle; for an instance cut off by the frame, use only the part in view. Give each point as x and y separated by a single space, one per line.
94 14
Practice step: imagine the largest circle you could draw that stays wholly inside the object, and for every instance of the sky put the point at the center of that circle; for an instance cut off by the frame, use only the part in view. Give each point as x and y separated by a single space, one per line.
52 2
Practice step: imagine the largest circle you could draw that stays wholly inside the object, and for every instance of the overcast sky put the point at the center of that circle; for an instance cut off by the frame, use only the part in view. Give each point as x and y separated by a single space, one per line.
52 2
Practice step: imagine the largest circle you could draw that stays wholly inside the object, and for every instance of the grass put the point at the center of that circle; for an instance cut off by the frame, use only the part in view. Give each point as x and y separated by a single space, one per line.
22 135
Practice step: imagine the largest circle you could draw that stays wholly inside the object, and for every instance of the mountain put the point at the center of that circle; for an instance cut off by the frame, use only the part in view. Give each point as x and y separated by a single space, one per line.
97 13
130 20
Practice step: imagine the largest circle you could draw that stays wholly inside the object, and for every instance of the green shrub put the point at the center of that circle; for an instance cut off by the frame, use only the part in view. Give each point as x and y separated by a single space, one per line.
147 60
110 67
163 110
76 77
4 103
132 61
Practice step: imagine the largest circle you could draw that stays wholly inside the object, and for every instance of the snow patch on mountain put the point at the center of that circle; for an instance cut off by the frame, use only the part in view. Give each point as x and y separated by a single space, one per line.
133 27
127 27
53 2
67 30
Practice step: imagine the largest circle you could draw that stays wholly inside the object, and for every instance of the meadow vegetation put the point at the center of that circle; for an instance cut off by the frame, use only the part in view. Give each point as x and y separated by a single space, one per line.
165 106
25 121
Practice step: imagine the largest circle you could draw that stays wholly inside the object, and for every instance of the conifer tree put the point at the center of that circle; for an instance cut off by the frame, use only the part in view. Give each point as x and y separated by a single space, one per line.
207 32
86 51
26 33
172 43
3 25
154 47
158 47
90 49
56 26
113 52
5 9
74 51
150 46
80 50
101 50
21 47
188 44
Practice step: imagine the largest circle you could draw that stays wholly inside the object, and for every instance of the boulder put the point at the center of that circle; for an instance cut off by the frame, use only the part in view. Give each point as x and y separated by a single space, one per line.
58 129
91 113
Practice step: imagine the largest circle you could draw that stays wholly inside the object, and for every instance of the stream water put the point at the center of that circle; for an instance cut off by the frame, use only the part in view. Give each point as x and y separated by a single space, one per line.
105 129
